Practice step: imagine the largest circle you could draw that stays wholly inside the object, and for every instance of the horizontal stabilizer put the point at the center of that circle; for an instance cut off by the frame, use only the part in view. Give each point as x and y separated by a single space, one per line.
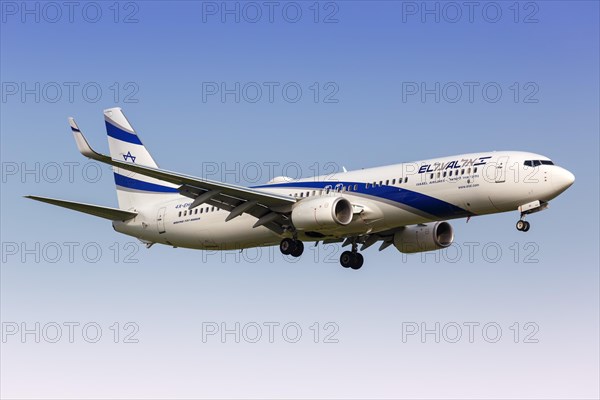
114 214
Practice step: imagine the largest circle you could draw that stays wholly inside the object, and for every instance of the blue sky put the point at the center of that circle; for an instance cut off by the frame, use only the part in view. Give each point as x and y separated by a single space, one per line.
355 68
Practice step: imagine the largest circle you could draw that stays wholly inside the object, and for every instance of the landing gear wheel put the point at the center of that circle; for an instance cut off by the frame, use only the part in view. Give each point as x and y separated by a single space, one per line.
358 261
352 260
298 248
292 247
526 227
346 259
286 246
521 225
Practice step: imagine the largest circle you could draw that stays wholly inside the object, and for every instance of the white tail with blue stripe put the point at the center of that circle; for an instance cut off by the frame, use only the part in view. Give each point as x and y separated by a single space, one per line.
125 145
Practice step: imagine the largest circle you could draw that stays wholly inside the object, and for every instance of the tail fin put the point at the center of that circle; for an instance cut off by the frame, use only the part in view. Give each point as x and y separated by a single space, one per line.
133 190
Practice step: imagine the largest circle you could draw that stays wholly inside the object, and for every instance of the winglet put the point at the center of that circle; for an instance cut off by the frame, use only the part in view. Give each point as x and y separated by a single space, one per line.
73 124
82 144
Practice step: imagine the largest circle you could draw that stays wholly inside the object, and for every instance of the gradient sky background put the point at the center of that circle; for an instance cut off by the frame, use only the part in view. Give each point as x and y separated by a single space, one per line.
548 277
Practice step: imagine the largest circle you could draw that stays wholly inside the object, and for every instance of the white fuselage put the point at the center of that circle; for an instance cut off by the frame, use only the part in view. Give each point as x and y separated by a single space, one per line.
384 198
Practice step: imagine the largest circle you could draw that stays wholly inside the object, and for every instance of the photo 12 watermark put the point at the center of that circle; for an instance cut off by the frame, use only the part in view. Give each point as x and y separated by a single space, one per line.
470 12
470 92
52 172
70 252
470 332
458 253
69 92
270 12
290 92
255 172
70 332
53 12
270 332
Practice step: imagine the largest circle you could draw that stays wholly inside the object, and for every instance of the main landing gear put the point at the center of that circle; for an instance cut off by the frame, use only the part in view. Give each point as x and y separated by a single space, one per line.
291 247
522 225
352 259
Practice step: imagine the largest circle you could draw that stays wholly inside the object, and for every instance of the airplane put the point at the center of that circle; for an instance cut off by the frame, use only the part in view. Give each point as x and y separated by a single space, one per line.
406 205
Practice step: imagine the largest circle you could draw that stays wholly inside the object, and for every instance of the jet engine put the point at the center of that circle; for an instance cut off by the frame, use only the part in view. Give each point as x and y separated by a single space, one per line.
321 213
424 237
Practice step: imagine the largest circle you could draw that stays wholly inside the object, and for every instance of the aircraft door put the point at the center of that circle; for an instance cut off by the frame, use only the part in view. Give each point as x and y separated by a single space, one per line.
160 219
500 175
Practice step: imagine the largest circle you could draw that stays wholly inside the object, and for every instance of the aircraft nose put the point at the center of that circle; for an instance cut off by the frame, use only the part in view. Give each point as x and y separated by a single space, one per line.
563 179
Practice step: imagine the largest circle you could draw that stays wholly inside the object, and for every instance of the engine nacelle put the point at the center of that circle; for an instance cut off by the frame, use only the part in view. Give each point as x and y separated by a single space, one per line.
424 237
321 213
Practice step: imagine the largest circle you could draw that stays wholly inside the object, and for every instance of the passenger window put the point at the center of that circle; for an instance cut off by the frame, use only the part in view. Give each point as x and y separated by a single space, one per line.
212 209
469 171
475 170
406 179
394 181
462 171
438 175
201 210
387 182
355 187
196 211
450 173
366 185
180 213
444 174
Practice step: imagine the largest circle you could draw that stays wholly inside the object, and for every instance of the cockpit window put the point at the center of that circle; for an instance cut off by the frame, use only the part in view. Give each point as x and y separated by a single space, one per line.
535 163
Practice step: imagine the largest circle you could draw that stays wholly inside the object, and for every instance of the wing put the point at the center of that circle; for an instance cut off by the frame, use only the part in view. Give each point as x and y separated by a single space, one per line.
271 210
369 239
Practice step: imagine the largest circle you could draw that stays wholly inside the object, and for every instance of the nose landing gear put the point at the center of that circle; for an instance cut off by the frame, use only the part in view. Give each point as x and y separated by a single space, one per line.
522 225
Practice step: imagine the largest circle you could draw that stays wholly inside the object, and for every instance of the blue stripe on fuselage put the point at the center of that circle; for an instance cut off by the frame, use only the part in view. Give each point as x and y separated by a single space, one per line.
136 184
416 200
120 134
